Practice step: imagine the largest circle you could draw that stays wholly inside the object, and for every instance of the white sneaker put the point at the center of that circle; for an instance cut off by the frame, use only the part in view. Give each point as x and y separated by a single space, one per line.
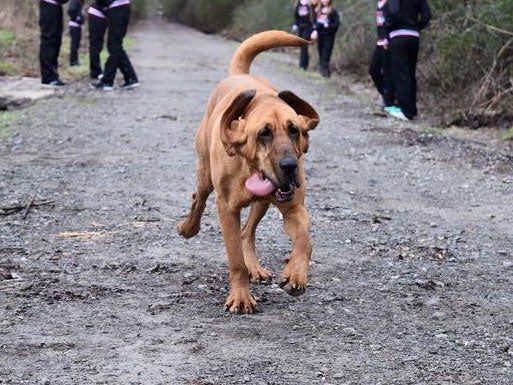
396 113
399 115
101 86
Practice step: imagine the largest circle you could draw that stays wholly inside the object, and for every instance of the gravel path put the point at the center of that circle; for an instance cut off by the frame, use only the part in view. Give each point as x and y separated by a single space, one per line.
412 273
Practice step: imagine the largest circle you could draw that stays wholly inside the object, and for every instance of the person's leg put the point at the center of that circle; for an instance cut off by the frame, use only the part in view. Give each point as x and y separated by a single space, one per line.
127 70
48 27
97 29
388 87
400 69
59 28
303 54
116 33
323 55
74 33
118 24
407 103
328 50
414 54
375 69
320 42
126 67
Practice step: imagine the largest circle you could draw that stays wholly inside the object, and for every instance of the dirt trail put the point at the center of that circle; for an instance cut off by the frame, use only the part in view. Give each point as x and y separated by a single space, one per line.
412 273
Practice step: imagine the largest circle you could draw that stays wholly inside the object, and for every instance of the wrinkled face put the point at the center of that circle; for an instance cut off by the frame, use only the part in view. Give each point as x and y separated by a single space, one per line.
272 135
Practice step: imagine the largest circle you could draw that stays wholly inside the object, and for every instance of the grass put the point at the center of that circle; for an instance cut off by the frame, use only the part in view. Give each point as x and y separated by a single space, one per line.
508 135
7 119
7 37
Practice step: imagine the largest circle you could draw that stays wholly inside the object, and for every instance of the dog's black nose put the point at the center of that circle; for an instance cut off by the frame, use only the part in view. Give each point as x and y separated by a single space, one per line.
288 163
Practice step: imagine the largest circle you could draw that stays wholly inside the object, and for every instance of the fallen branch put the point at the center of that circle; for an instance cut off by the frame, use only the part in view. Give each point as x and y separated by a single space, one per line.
29 204
491 27
8 210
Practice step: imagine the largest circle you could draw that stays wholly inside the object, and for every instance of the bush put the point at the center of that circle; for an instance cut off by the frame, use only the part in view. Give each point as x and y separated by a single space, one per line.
468 54
209 16
258 16
139 9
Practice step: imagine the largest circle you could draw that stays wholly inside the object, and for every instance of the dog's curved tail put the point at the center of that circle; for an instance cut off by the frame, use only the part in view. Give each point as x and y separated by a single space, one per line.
251 47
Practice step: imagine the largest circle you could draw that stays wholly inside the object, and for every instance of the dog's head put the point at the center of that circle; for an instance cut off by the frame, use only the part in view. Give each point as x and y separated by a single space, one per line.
271 133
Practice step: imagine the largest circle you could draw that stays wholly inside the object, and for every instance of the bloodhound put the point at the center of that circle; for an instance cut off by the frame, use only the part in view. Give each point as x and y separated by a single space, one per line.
250 147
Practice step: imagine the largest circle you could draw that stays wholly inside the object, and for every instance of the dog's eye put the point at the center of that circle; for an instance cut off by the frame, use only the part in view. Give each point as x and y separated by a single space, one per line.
265 135
293 131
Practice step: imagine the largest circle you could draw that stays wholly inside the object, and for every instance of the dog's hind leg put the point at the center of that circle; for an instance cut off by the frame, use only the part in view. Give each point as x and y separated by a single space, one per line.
191 225
256 272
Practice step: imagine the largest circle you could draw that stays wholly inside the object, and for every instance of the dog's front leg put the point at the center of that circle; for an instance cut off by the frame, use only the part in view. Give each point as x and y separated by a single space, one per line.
295 275
256 272
240 299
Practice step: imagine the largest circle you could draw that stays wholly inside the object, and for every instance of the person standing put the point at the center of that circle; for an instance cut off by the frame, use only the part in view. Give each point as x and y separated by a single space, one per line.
327 23
51 28
97 25
75 29
303 27
379 68
404 22
118 14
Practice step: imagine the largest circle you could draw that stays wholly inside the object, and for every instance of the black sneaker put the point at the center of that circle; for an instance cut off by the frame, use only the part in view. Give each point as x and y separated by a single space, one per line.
101 86
130 84
58 83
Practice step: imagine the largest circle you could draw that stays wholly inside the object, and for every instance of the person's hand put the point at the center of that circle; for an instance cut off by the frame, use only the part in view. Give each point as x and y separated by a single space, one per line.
314 35
294 28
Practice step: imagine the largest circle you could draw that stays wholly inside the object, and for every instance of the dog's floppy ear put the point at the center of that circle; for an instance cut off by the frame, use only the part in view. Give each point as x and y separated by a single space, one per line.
305 111
302 108
232 125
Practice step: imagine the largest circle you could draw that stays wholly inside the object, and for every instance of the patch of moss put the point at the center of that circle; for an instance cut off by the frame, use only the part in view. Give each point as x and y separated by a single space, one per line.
508 135
7 37
7 69
7 118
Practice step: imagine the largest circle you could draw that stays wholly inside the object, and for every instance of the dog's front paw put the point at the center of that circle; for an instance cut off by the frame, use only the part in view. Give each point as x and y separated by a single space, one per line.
240 301
293 279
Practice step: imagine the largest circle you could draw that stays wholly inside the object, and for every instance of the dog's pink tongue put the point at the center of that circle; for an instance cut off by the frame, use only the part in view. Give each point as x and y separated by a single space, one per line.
258 186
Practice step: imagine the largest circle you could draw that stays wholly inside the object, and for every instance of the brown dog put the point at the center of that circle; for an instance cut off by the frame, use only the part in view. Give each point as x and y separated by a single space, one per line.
250 145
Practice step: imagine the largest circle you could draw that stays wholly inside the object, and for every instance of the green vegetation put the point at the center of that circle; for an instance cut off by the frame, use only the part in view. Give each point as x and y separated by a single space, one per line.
206 15
7 37
7 119
508 135
140 8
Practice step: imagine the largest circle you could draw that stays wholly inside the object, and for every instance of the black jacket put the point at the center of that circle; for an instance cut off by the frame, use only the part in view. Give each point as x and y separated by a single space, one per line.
333 22
302 16
75 11
408 14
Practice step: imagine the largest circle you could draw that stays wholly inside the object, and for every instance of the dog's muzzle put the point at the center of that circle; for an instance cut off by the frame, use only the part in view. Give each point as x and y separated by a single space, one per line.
285 192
